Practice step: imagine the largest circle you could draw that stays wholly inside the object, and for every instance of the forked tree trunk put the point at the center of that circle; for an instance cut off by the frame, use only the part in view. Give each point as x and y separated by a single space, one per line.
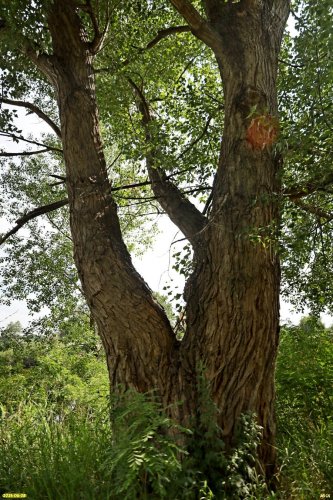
233 295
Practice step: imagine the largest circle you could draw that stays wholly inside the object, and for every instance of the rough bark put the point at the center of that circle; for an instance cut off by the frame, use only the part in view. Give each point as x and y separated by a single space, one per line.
233 295
139 342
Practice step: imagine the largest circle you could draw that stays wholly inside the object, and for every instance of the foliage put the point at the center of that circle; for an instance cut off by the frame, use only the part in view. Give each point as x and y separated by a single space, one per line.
53 456
54 413
57 441
185 100
180 81
144 458
305 409
224 474
305 97
61 372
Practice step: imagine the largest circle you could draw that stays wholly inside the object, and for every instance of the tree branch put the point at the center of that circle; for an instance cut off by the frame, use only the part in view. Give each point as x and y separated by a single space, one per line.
197 139
36 143
32 107
34 52
36 212
287 63
97 43
187 190
161 35
318 212
310 187
41 60
180 210
23 153
198 25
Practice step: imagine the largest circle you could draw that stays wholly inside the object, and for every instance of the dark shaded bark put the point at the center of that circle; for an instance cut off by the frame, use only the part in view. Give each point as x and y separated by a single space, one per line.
233 295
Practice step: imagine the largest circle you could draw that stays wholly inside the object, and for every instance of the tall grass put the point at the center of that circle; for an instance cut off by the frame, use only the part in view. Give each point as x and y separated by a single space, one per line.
73 456
305 411
59 443
307 463
48 455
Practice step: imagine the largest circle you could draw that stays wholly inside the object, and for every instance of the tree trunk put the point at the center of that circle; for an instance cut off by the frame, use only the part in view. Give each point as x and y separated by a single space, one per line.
139 342
233 294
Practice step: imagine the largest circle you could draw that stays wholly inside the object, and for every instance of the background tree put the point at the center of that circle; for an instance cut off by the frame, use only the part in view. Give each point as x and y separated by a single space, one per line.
232 294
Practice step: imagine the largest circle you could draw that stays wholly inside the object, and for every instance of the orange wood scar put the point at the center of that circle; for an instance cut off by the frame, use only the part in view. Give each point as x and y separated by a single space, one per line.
262 131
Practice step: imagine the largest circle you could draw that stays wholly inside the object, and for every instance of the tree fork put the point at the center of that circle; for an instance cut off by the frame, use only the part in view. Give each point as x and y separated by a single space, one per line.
233 294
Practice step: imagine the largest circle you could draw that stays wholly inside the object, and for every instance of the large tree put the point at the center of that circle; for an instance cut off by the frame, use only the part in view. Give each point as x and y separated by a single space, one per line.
232 294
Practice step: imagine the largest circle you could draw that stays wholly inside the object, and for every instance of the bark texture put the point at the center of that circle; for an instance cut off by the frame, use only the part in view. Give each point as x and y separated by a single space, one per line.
138 339
233 294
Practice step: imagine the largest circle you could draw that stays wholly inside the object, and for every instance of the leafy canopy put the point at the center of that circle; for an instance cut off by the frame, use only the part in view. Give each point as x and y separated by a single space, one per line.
179 80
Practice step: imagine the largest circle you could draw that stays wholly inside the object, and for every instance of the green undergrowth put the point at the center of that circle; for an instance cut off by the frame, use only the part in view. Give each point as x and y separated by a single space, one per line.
62 438
305 410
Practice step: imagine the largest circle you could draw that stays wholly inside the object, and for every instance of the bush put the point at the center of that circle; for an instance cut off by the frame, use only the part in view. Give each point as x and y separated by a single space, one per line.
59 442
305 409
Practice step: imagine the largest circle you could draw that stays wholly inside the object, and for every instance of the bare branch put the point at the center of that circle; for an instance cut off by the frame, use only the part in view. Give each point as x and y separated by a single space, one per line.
32 107
61 177
29 141
23 153
61 180
36 212
287 63
161 34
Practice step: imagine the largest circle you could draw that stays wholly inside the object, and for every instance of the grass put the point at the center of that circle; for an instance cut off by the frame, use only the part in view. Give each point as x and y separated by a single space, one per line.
55 457
60 446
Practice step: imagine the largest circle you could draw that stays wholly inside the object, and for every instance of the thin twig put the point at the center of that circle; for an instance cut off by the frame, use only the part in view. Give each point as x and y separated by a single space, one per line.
32 107
287 63
15 137
23 153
